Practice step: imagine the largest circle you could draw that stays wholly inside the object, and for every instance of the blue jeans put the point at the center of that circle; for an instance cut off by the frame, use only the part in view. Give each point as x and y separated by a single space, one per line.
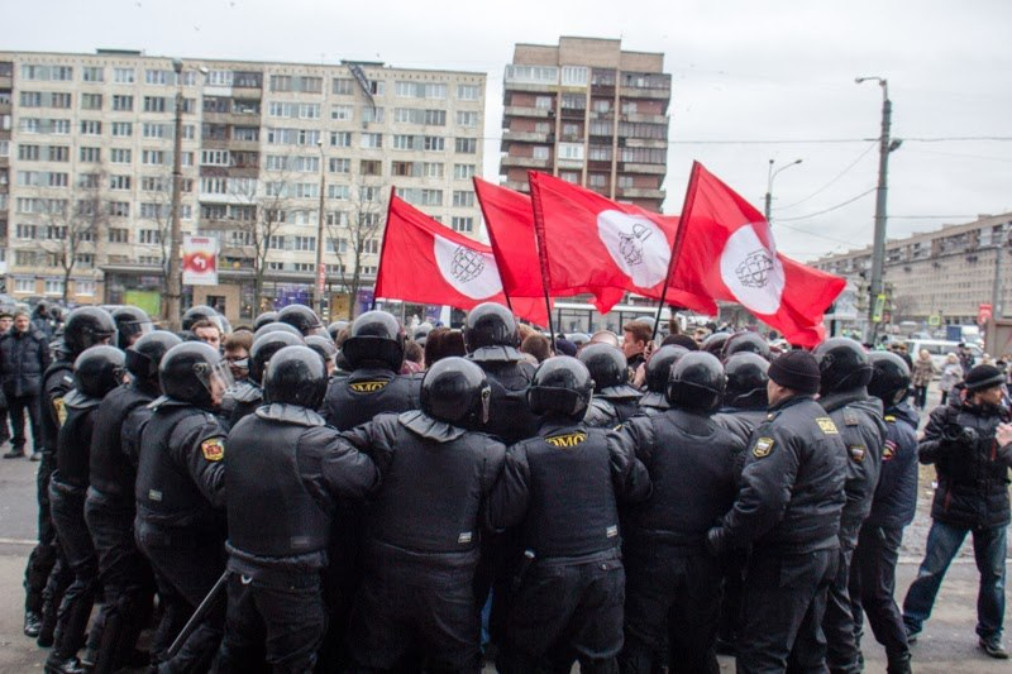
989 549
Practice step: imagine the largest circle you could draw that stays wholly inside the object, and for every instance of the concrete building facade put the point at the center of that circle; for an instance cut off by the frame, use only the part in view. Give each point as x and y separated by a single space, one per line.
86 161
590 113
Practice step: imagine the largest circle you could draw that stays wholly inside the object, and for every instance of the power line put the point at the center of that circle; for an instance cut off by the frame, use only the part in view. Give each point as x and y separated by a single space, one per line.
842 173
831 208
824 141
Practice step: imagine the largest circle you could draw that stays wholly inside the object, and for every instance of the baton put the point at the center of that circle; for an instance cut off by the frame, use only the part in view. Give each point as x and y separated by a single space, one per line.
198 616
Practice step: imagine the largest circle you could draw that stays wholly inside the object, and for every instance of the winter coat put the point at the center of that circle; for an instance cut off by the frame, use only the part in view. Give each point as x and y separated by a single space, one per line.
24 357
952 374
923 371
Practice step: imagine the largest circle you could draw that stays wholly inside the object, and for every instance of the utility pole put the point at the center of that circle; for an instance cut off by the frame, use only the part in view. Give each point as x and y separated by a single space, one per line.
997 310
174 282
771 174
321 270
878 247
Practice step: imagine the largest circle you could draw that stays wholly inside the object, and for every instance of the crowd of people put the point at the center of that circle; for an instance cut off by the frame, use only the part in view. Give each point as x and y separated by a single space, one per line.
291 497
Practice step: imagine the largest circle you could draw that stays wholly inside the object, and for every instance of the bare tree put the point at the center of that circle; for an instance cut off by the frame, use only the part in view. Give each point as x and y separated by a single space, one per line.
73 222
353 237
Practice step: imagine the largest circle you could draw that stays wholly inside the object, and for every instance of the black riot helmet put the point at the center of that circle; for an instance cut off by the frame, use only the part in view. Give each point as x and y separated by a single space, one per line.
890 377
322 345
191 371
843 365
375 339
295 375
715 343
456 391
746 381
742 342
266 346
276 326
87 326
131 323
301 318
421 333
199 313
98 370
263 319
659 366
697 382
608 368
491 326
145 355
562 386
335 328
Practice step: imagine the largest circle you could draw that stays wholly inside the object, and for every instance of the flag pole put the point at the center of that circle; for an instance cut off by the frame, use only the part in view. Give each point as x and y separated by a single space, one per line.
676 246
383 245
539 231
491 238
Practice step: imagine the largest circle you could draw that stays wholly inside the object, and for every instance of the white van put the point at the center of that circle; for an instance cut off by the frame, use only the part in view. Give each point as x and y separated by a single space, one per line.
939 349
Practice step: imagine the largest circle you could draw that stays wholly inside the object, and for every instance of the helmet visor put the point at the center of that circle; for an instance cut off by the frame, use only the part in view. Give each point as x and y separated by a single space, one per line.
216 378
486 399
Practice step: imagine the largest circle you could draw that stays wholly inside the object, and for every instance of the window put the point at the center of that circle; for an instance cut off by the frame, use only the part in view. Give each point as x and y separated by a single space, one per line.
468 92
433 143
343 86
467 118
5 148
59 153
571 151
156 184
26 231
625 182
246 133
432 169
122 129
341 113
85 260
59 100
119 235
119 209
419 116
149 236
295 83
91 127
89 181
93 74
25 285
599 153
336 219
119 155
220 78
340 192
540 152
403 168
304 243
91 101
370 167
462 224
339 165
122 103
421 197
601 105
119 182
340 139
159 77
214 158
153 104
294 110
371 140
420 90
465 145
463 171
543 102
123 75
54 286
372 115
31 99
83 286
29 152
463 198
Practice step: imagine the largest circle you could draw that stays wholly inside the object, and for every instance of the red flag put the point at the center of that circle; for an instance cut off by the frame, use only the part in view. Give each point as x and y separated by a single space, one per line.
424 261
592 243
510 222
728 253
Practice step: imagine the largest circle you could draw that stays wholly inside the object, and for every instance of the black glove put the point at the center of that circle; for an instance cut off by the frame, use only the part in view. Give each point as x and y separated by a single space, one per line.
715 542
960 437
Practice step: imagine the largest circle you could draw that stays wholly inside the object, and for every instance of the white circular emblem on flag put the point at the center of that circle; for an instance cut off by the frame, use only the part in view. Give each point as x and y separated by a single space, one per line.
637 245
752 272
470 272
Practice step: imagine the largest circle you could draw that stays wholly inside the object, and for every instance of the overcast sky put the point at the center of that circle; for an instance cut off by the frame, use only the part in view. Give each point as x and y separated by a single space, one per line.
751 81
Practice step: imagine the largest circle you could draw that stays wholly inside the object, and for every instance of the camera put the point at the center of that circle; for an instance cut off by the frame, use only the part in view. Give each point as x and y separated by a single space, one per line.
960 436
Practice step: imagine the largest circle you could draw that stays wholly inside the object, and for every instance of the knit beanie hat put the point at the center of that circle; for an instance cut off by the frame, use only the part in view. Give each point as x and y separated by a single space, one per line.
983 377
796 370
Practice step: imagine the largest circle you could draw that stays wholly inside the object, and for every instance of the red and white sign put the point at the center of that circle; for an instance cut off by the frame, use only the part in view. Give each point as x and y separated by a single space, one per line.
200 261
984 313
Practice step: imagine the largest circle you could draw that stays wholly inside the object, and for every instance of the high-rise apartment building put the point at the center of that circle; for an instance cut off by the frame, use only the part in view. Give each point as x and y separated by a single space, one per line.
86 170
590 113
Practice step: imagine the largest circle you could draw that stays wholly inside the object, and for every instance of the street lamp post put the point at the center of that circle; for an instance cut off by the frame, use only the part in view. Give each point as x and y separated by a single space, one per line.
174 282
878 246
321 270
769 184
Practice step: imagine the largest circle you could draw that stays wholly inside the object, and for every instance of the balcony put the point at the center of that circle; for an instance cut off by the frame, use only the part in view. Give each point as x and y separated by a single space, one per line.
537 87
637 118
526 162
526 137
653 169
645 142
234 118
636 92
517 185
641 193
516 111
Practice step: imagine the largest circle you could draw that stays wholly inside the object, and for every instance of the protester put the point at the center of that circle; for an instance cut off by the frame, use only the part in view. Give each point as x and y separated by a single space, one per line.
952 374
24 357
922 373
207 331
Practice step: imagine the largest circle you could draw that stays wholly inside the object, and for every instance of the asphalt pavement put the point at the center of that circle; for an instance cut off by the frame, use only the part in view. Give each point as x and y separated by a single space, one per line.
948 644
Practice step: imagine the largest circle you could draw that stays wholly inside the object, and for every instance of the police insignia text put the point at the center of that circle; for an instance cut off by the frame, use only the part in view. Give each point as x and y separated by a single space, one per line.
566 440
367 386
827 426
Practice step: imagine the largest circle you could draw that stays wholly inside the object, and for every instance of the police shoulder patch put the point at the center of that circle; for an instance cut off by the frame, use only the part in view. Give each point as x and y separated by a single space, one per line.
566 440
827 426
888 450
60 407
763 447
367 386
857 452
889 419
213 449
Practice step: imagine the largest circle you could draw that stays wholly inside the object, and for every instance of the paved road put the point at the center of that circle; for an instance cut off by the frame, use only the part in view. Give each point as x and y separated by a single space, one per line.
947 646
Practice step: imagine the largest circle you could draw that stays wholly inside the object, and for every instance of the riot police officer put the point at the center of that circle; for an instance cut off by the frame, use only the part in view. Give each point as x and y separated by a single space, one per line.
276 553
568 604
845 373
745 342
673 583
788 508
873 574
425 523
198 313
180 495
97 371
655 400
45 576
745 399
125 575
325 347
303 319
242 399
131 324
263 319
614 399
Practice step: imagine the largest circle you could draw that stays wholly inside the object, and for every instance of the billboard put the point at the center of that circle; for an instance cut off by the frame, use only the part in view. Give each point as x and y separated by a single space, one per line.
200 261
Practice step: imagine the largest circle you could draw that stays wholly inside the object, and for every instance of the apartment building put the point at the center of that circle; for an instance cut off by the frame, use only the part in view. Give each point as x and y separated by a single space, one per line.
939 277
87 152
590 113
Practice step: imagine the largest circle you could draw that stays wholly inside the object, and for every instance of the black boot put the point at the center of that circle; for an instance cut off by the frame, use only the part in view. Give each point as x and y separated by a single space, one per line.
898 663
56 664
33 624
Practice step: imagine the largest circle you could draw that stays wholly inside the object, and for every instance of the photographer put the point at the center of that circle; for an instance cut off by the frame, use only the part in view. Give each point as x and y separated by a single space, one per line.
970 443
